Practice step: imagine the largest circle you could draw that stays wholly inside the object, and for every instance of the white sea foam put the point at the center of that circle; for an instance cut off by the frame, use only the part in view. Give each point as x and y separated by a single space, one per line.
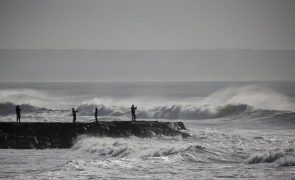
222 153
168 148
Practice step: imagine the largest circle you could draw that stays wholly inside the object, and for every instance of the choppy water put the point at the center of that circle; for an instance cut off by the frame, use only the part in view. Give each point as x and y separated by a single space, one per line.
239 130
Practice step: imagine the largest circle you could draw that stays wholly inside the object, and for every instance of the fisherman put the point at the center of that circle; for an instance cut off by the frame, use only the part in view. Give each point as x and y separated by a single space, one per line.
74 115
95 115
133 112
17 110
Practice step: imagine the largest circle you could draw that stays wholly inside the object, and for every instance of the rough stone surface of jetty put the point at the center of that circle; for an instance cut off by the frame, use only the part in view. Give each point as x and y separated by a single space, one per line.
62 135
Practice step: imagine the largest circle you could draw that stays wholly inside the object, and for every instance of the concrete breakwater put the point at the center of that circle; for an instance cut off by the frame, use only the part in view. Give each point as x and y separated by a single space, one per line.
63 135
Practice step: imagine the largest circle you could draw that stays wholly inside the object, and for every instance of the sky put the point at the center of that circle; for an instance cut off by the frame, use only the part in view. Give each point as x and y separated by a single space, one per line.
43 40
147 24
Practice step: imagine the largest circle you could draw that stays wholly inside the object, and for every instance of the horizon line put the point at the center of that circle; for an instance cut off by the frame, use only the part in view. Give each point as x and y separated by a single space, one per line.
118 81
114 49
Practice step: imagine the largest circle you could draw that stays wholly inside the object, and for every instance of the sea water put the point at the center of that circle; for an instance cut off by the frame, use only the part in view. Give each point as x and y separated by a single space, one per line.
238 130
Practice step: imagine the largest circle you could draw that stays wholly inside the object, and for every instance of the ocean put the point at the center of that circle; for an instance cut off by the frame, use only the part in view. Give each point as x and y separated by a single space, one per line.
238 130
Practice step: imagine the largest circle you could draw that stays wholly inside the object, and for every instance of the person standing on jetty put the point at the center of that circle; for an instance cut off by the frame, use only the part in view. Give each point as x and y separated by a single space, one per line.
74 115
133 112
95 115
17 110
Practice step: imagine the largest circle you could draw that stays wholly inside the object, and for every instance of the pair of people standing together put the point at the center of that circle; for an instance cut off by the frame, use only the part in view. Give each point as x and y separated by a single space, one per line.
133 108
75 116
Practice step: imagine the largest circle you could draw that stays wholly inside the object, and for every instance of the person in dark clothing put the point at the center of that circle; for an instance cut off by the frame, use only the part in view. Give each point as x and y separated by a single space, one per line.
17 110
133 112
95 114
74 115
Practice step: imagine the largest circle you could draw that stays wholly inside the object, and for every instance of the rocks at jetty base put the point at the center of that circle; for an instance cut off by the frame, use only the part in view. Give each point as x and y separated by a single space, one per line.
62 135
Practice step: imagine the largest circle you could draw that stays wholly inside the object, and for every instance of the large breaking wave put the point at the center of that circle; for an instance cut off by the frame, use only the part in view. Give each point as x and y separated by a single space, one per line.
166 111
246 100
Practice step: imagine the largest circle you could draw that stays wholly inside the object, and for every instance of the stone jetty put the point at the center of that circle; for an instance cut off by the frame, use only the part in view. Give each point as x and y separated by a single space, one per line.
41 135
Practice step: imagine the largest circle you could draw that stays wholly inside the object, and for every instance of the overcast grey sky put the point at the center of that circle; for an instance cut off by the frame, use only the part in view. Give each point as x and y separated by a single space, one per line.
147 24
152 39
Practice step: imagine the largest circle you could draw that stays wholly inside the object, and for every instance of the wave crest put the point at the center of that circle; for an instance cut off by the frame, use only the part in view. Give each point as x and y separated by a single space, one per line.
279 158
166 111
268 156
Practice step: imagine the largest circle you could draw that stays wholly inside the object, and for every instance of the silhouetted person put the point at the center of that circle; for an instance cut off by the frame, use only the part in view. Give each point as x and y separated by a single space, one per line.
74 115
17 110
133 112
95 114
